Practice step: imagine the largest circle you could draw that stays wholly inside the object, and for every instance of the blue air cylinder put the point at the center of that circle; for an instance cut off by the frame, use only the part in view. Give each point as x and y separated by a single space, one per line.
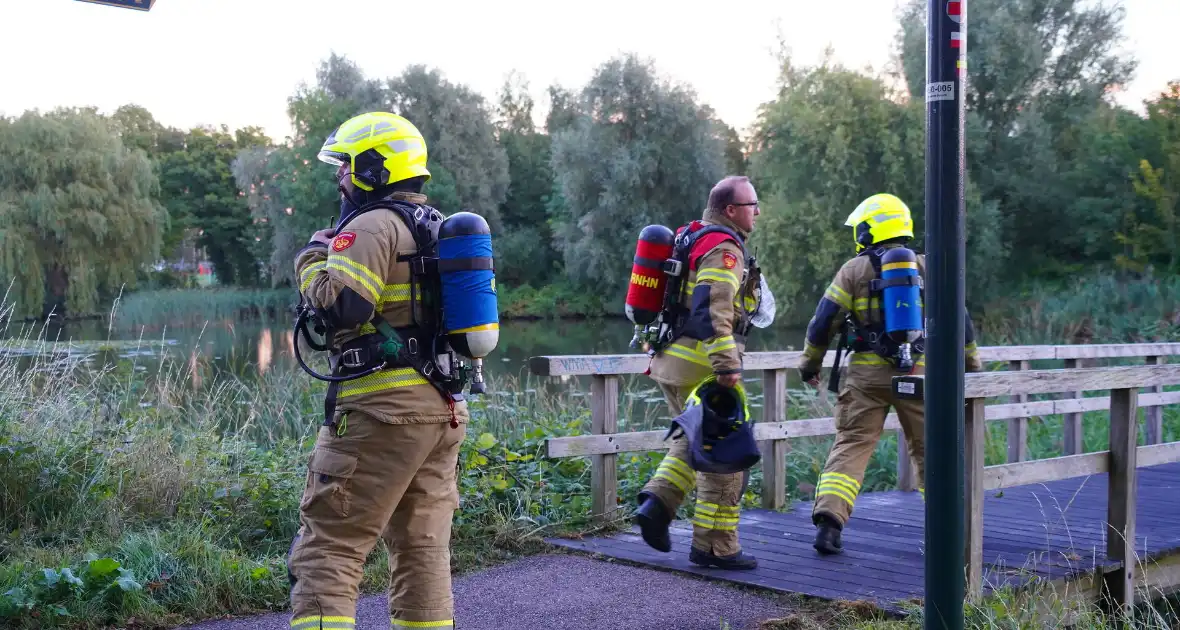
902 297
471 317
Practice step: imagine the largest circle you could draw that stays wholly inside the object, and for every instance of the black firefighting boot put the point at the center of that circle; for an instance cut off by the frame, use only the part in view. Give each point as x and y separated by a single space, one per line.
827 535
740 561
653 520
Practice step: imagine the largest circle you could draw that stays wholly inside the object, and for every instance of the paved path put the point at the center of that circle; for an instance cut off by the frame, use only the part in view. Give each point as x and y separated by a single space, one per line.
572 593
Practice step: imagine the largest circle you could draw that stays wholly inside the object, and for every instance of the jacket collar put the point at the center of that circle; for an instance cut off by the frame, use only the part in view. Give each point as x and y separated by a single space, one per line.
713 216
348 211
409 197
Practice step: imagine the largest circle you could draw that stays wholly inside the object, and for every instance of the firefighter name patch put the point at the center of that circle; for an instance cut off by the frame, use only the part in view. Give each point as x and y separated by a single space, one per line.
729 260
343 241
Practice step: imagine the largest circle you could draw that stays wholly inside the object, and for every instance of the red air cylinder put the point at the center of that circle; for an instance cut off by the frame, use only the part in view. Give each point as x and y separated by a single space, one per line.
645 293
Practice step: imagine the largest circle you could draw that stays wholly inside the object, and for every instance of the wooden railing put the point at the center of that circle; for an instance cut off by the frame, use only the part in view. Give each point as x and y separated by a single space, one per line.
1121 459
773 431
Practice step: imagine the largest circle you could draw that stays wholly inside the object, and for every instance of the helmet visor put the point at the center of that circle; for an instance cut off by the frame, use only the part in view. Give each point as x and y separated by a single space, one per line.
335 158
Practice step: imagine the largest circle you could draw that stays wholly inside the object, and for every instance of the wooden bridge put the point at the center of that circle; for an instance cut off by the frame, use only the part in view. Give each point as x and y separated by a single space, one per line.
1103 523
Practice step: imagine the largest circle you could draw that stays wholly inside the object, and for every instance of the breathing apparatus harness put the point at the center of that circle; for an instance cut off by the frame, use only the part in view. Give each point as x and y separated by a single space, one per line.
870 337
420 345
674 314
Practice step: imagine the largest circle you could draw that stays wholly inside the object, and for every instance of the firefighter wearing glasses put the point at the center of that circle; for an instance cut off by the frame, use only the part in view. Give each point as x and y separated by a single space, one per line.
719 300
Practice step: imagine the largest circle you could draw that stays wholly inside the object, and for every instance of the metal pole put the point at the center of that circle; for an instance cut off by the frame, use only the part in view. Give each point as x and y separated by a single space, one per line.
946 301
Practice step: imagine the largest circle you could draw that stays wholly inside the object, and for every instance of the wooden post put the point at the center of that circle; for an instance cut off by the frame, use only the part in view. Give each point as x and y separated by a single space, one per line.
1118 585
907 475
774 452
974 435
1153 426
1071 425
604 474
1018 427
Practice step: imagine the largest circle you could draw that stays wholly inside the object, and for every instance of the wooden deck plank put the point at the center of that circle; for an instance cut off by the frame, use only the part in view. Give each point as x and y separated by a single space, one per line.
817 580
875 538
1040 531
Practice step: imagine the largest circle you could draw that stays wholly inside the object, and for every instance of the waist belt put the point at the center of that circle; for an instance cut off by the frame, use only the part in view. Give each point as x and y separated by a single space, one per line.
360 354
884 346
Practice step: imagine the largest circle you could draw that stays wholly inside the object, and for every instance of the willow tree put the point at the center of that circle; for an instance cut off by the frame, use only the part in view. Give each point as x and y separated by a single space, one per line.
79 215
631 149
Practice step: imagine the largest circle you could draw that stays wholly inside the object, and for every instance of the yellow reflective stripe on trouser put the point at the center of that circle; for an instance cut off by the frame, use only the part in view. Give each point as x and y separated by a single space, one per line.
839 485
717 275
676 473
719 517
402 623
839 296
323 623
692 355
309 273
362 274
721 344
385 379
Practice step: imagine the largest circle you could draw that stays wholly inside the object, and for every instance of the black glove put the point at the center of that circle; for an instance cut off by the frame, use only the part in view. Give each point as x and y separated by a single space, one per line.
807 375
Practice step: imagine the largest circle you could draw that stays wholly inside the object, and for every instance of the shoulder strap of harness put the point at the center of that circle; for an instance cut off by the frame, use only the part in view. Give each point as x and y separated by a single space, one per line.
692 241
706 237
867 334
417 344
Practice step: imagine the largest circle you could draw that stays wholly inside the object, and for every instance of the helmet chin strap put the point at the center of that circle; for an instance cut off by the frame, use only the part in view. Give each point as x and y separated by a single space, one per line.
344 189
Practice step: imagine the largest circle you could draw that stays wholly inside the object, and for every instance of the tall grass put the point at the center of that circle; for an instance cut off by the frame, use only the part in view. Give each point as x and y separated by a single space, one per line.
166 494
1097 308
156 488
194 307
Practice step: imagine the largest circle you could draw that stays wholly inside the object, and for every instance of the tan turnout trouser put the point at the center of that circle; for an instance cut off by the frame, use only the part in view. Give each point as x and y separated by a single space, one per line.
367 480
715 518
864 400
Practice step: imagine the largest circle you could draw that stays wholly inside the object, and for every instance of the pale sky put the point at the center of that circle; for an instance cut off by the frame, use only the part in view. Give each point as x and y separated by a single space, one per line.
235 62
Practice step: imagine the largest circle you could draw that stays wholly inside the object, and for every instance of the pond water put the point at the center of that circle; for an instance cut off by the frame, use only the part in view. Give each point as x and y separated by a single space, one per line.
249 349
259 346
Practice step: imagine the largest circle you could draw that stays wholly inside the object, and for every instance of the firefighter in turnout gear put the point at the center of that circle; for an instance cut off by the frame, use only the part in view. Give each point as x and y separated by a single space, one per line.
384 462
718 300
881 226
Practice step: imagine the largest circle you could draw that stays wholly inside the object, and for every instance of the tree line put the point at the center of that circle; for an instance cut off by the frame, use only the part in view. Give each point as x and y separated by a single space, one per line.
1061 180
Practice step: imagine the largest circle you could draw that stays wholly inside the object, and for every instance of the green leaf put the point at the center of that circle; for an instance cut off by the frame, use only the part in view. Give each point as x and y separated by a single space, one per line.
50 577
67 574
18 598
261 573
102 567
485 441
126 581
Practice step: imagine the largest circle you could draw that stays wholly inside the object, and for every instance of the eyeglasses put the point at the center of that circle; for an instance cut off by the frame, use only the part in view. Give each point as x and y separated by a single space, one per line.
752 203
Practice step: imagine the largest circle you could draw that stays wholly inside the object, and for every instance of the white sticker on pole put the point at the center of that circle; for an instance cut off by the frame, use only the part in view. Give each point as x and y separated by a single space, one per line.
940 91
